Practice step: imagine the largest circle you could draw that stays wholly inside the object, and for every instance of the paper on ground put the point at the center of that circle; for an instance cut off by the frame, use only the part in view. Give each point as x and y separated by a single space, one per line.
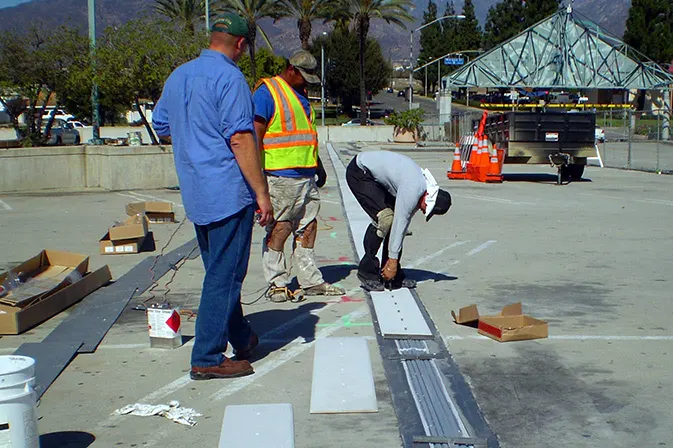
172 411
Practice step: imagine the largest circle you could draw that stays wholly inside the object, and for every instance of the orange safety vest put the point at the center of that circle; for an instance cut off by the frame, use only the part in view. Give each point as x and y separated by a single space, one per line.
291 139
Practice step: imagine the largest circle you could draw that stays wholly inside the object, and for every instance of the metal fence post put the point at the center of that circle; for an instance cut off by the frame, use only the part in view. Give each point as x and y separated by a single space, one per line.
658 119
629 123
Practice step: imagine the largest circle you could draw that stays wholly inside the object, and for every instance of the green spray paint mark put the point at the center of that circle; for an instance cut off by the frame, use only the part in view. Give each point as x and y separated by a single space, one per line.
346 323
333 235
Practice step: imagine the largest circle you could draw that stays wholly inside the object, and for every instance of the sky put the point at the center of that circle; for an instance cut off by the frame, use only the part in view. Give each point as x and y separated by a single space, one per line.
8 3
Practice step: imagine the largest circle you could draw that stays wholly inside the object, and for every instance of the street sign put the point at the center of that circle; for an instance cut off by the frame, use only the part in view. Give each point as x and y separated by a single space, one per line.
454 61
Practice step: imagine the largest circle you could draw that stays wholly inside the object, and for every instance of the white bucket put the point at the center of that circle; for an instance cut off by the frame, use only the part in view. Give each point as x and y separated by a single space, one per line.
18 416
15 370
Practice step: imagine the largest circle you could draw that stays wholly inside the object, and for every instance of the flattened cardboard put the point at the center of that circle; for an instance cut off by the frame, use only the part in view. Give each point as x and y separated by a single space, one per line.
508 325
157 212
134 227
44 274
16 320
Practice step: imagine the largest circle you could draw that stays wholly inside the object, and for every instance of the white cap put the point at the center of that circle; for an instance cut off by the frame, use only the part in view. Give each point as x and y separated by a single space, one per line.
432 188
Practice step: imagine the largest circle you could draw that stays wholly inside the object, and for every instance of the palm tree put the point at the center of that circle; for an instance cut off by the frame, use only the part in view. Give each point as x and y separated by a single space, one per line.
305 11
360 13
252 11
184 12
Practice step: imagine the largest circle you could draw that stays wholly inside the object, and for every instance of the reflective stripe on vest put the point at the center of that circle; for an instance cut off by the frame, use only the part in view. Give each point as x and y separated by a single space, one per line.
291 140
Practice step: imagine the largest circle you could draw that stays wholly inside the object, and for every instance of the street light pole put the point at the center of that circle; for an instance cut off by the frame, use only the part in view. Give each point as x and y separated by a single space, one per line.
322 80
411 50
207 16
95 116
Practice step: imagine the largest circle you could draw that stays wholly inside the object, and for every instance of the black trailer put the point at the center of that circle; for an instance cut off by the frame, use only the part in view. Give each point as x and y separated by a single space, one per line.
563 139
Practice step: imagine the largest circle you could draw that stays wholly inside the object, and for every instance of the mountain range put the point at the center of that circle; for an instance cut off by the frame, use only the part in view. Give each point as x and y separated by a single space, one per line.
609 14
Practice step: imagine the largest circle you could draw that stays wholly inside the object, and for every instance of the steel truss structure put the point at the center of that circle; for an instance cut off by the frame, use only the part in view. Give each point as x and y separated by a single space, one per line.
564 51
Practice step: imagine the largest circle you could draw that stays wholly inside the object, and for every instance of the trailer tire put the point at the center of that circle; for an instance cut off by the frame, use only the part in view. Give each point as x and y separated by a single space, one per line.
572 172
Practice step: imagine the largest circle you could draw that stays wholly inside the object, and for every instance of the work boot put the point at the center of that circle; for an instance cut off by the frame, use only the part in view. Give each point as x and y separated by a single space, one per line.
246 353
278 294
228 369
371 285
324 289
404 283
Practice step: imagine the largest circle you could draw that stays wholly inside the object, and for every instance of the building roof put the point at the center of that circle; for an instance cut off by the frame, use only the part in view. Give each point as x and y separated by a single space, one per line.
568 51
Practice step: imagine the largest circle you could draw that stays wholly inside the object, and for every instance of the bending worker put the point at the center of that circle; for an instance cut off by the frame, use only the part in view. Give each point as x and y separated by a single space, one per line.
284 122
391 187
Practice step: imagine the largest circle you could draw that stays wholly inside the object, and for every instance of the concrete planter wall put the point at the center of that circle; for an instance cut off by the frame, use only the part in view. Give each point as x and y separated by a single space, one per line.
124 167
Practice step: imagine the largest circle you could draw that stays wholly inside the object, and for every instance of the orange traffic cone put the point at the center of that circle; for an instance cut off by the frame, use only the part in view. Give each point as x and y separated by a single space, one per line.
456 167
494 168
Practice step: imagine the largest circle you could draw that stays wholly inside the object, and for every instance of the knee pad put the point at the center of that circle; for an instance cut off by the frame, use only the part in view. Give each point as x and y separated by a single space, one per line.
384 222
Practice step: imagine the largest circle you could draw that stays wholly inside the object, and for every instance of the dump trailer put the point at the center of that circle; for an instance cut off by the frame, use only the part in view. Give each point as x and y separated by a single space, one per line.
562 139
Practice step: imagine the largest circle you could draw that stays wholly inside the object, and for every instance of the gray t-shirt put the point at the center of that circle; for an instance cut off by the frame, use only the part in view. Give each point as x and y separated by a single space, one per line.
403 179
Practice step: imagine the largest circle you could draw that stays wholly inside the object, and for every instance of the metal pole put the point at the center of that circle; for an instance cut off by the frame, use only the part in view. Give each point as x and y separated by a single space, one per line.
322 83
207 15
95 116
658 136
439 78
426 81
411 65
628 156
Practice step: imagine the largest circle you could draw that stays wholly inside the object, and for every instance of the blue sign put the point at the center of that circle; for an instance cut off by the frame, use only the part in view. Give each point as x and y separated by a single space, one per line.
454 61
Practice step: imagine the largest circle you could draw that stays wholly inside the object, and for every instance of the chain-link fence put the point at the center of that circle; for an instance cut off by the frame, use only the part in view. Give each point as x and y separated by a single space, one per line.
638 140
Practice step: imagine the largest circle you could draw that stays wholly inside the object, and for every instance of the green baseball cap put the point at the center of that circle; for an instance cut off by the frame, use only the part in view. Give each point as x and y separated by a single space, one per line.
230 23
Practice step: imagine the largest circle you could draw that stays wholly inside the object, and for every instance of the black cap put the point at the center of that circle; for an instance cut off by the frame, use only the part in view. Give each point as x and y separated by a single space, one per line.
442 204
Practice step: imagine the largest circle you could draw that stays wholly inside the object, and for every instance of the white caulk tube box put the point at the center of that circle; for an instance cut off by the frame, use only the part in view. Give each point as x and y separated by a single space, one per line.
164 325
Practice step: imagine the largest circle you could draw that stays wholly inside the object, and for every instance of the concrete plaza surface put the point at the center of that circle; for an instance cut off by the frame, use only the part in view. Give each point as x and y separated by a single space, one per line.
593 258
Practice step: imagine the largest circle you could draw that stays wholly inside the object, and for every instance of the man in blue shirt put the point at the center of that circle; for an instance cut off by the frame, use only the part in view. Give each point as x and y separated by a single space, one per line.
206 111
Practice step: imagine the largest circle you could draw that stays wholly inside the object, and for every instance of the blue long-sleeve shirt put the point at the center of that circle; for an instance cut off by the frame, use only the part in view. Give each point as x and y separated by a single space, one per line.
204 103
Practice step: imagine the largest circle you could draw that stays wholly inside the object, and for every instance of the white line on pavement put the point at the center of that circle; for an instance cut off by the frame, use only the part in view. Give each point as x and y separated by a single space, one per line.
574 337
641 200
436 254
476 250
492 199
144 197
5 205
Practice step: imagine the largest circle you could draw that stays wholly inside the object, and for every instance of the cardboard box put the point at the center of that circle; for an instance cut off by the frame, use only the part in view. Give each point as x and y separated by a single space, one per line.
133 228
127 246
509 325
45 273
157 212
17 318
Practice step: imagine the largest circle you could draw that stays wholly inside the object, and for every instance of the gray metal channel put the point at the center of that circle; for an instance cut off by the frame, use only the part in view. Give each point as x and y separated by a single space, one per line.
439 416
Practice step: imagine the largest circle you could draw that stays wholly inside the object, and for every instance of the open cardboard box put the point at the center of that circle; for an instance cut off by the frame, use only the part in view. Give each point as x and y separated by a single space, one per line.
50 287
509 325
131 237
157 212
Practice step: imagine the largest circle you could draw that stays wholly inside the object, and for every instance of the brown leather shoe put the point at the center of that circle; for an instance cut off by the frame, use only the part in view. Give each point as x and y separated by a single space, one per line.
228 369
247 352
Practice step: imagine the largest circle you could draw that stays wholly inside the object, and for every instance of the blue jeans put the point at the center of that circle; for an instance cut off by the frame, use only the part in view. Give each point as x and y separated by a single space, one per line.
225 251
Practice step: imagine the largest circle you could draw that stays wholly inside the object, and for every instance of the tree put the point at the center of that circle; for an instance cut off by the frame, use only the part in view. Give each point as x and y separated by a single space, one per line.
253 11
430 40
468 29
38 65
341 55
649 29
136 59
305 11
267 65
360 13
509 17
185 13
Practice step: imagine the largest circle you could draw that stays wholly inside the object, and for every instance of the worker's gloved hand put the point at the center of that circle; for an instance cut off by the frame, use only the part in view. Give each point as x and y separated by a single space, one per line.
322 176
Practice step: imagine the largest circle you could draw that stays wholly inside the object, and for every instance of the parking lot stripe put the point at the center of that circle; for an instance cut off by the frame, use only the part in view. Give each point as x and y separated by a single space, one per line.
574 337
5 205
145 197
